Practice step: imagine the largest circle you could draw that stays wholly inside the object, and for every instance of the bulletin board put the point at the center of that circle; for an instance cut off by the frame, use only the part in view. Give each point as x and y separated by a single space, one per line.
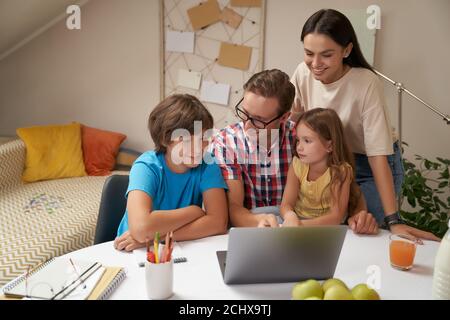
210 49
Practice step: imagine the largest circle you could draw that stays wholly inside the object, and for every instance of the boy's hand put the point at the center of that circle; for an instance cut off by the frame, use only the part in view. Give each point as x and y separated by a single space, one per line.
126 242
363 223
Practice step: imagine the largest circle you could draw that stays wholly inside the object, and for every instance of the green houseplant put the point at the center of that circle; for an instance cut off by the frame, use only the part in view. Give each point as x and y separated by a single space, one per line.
425 187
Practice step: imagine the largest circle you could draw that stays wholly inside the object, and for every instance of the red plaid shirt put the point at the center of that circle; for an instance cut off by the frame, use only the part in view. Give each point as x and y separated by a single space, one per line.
264 172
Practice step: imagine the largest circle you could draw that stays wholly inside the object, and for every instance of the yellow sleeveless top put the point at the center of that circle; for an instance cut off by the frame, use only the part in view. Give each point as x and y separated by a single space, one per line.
310 202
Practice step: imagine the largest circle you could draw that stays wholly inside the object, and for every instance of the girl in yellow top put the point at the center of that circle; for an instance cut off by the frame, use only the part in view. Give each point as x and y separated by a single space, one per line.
320 187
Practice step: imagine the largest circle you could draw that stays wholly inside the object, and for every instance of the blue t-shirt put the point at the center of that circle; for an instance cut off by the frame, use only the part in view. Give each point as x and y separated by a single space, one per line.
170 190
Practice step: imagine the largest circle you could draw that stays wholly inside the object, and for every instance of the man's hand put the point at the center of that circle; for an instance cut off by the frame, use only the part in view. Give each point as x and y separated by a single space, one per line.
363 223
127 243
267 220
413 232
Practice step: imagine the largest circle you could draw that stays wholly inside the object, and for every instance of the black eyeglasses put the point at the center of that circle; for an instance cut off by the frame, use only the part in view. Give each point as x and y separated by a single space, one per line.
245 117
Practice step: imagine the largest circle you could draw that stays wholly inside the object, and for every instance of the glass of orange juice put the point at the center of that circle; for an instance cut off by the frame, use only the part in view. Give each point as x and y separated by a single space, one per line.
402 249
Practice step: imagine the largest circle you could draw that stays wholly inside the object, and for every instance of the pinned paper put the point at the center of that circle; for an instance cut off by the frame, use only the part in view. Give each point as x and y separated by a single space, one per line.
204 14
231 17
246 3
215 92
189 79
180 41
235 56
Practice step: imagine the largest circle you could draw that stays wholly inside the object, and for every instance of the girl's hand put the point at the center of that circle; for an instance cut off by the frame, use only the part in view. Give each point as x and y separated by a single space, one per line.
126 242
363 223
291 220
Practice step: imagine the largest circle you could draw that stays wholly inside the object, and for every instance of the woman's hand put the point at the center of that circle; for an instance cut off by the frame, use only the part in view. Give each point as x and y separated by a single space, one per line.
127 243
415 233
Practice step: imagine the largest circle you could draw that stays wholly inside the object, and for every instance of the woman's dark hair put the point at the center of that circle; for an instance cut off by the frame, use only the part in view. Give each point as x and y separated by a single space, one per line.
337 26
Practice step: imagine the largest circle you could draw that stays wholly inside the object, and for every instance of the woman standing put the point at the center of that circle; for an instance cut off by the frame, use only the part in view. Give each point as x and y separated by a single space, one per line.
336 75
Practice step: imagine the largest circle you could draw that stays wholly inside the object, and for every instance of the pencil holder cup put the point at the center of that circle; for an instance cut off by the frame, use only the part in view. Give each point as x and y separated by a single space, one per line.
159 280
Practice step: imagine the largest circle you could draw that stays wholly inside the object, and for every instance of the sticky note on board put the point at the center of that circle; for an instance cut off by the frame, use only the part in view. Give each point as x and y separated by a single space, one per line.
180 41
215 92
189 79
231 17
234 56
246 3
205 14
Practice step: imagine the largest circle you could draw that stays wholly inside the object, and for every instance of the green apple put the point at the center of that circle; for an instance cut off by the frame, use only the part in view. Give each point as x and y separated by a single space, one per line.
338 293
363 292
313 298
306 289
331 283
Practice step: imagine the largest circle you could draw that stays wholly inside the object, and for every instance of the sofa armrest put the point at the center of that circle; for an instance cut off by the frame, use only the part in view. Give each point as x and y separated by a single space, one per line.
125 159
12 162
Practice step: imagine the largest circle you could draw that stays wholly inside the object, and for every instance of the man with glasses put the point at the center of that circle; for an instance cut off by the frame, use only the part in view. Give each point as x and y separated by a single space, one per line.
254 154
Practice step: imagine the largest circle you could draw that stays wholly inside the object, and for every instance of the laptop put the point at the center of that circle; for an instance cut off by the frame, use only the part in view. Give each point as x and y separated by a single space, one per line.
287 254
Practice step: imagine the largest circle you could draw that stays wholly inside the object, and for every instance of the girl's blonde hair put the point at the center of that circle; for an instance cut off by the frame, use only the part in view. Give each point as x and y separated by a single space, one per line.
327 124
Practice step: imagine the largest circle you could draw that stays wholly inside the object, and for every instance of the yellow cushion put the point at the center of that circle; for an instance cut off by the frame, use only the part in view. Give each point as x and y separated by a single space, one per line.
52 152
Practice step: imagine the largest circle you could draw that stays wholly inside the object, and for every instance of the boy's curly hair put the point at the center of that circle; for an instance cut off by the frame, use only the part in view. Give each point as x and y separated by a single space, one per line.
178 111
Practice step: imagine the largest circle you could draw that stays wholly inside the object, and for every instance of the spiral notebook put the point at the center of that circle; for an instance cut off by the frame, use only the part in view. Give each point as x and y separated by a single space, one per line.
112 277
53 279
104 287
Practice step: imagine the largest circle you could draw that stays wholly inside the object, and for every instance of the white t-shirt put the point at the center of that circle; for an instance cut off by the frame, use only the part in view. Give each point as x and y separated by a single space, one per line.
359 101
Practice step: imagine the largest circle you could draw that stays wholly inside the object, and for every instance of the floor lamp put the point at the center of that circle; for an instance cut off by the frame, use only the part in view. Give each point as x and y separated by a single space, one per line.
400 89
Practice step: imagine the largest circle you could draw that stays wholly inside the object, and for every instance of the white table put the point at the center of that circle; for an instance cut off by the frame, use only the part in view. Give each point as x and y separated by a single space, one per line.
201 278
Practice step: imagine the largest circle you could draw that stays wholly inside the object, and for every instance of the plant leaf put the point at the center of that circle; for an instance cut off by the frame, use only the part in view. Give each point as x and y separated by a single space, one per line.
422 187
411 200
435 224
442 229
444 161
446 174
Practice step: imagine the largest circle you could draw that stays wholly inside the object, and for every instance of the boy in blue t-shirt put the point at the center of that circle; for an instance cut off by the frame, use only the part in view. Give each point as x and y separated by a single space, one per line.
169 185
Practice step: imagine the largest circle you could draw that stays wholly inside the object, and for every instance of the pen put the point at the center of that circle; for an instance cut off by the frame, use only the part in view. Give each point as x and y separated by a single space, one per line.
170 246
156 244
150 254
150 257
76 272
165 251
175 260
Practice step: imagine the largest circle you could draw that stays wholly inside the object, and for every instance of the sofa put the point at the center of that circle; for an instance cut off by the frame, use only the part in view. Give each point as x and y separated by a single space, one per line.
43 219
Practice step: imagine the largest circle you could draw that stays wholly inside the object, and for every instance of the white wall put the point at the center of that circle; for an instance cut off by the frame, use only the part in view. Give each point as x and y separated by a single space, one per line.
412 47
107 74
